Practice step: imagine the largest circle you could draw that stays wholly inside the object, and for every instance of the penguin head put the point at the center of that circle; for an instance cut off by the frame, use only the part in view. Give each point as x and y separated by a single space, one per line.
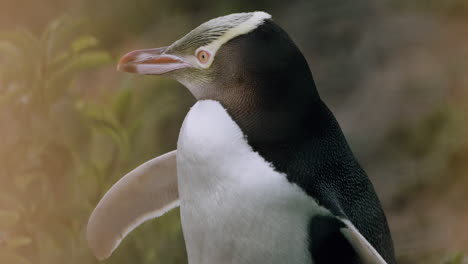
245 61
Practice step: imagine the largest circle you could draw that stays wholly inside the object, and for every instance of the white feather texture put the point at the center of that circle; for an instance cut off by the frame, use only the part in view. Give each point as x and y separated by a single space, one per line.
235 207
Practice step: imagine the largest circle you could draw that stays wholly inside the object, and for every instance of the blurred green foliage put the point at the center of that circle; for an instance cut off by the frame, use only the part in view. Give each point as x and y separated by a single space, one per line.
61 151
455 259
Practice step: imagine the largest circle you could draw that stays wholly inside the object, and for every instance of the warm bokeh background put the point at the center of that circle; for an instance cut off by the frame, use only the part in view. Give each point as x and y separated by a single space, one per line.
394 72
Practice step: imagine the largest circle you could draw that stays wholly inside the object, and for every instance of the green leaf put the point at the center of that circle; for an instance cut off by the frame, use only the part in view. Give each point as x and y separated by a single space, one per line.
89 60
23 40
84 42
59 59
105 123
59 35
455 259
25 63
122 104
59 81
113 131
84 61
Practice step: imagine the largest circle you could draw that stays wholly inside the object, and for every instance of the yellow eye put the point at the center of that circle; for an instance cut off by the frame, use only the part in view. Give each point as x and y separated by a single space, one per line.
203 56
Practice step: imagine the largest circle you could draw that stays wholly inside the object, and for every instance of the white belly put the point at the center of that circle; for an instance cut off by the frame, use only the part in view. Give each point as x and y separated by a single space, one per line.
235 208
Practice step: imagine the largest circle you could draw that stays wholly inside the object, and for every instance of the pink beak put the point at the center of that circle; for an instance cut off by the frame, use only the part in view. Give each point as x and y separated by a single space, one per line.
151 61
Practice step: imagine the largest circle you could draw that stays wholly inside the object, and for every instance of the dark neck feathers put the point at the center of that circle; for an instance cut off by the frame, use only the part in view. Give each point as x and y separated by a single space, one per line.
265 83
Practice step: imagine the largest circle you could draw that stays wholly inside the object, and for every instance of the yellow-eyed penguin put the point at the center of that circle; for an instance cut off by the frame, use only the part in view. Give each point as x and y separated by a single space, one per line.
264 173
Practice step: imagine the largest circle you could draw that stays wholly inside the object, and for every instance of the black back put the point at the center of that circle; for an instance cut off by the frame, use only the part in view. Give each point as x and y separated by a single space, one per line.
270 93
321 163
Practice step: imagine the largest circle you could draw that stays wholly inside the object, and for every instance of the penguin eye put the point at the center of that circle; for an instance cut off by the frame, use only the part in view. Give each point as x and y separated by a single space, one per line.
203 56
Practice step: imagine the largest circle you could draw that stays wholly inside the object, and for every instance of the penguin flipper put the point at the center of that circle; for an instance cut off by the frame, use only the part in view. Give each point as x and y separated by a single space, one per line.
335 240
146 192
366 252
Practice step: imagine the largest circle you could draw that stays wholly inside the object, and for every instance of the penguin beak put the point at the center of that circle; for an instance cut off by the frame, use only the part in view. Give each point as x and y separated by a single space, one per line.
151 61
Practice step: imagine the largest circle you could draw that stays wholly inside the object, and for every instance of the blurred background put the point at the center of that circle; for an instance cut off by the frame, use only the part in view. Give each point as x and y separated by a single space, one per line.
393 71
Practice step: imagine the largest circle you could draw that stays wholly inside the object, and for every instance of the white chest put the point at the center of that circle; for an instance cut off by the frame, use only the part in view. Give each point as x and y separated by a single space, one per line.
235 208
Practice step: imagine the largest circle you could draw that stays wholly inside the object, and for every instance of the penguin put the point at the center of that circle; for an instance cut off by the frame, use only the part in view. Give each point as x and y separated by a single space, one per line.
262 172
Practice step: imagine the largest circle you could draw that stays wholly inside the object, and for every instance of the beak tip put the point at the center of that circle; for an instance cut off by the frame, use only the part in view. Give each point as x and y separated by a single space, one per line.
122 67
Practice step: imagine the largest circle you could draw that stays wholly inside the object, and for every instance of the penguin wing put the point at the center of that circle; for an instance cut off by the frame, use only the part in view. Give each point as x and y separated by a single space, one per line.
146 192
365 251
336 240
